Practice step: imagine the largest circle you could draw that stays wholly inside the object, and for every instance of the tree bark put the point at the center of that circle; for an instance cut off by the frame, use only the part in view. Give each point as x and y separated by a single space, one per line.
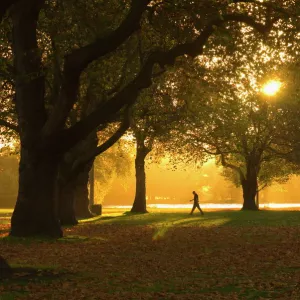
74 202
66 204
82 194
249 193
257 198
92 185
139 204
249 185
36 210
73 193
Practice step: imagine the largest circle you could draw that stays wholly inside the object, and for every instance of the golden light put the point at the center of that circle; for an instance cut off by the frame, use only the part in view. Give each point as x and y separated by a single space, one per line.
271 87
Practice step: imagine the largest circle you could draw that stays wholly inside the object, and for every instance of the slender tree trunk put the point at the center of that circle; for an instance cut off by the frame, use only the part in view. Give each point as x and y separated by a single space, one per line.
75 198
139 204
92 185
36 210
73 195
66 204
82 194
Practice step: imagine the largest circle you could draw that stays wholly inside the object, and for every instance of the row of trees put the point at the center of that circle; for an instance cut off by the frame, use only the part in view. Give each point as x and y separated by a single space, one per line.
69 70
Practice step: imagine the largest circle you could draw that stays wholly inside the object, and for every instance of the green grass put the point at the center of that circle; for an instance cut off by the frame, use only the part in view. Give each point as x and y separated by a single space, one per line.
212 218
181 217
162 255
11 295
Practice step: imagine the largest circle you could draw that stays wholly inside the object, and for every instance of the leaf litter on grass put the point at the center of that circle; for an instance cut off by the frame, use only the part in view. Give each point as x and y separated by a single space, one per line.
125 262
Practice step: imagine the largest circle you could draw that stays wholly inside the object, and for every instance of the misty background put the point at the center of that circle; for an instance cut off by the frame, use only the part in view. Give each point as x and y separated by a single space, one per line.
167 183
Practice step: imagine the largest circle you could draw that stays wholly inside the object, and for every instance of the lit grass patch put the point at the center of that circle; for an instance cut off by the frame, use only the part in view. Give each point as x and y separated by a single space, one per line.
162 228
100 218
4 211
160 232
215 218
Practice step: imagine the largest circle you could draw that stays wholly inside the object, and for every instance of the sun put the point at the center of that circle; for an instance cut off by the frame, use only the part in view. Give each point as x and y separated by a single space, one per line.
271 87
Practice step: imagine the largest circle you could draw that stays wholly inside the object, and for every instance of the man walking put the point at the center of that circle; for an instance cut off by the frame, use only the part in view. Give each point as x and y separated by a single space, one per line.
196 203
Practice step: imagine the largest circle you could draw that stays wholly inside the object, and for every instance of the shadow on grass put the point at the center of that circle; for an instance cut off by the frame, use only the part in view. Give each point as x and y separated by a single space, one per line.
33 240
163 221
22 275
26 240
214 218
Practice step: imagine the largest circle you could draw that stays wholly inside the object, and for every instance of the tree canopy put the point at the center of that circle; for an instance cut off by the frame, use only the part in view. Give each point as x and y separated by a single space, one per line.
60 48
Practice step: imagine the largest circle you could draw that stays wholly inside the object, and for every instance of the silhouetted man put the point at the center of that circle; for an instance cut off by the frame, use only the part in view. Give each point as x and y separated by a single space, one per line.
196 203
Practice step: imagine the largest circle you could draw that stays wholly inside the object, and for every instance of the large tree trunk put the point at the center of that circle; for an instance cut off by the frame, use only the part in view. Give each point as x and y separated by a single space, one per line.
36 210
82 194
66 204
139 204
249 193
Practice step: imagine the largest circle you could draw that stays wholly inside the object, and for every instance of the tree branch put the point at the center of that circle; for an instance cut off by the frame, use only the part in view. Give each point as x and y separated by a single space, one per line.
129 94
80 58
233 167
30 79
260 188
280 153
77 166
4 6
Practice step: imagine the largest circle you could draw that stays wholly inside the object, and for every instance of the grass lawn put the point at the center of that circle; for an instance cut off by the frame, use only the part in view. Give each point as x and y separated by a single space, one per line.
161 255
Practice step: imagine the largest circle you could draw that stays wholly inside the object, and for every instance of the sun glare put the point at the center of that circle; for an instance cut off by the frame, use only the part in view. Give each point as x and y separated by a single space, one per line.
271 87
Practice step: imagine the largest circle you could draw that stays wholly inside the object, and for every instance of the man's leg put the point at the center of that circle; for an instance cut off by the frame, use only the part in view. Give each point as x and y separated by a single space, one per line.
194 206
198 206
